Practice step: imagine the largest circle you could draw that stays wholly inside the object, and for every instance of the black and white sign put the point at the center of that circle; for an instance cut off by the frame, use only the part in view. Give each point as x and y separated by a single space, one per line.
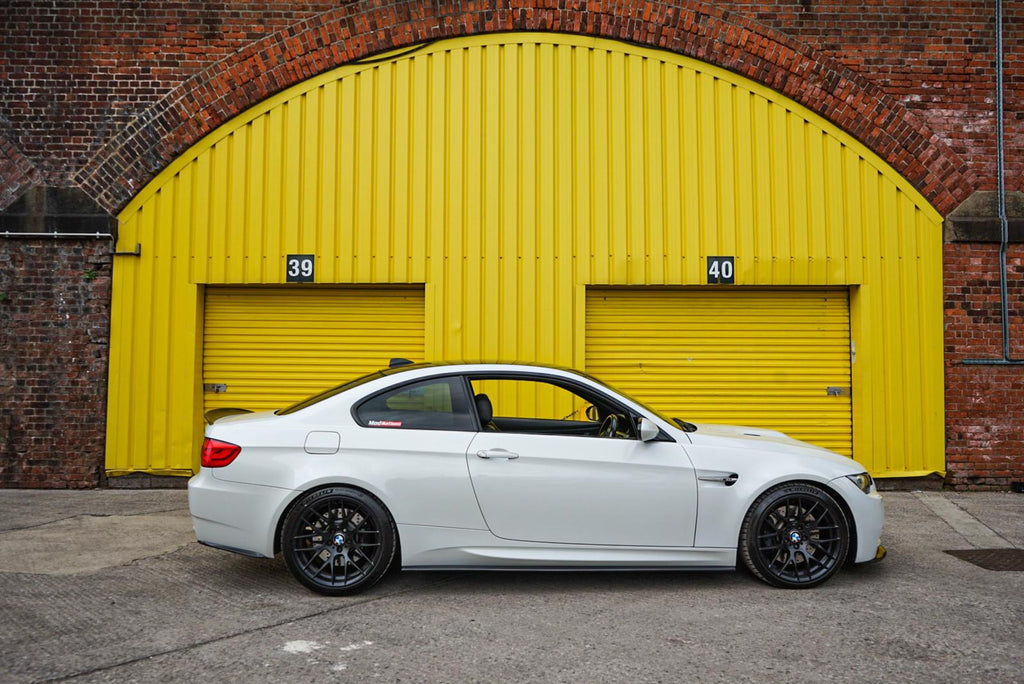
721 270
298 268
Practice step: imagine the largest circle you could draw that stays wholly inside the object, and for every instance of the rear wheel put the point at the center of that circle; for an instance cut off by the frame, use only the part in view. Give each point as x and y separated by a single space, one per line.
338 541
795 536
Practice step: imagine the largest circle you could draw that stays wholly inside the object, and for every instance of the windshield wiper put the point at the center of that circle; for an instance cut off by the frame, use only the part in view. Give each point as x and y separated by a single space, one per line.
686 427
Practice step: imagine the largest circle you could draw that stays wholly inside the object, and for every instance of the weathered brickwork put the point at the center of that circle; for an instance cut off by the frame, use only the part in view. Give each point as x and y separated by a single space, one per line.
16 172
102 94
54 332
984 403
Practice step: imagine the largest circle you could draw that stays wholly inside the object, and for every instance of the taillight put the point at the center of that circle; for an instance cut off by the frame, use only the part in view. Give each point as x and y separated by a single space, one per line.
217 454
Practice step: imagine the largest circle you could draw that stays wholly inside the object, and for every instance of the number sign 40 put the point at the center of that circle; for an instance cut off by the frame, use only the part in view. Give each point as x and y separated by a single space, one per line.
721 270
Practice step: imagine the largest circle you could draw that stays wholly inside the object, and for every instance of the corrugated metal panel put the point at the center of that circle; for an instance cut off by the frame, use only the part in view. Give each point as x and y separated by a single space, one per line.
508 172
271 347
764 358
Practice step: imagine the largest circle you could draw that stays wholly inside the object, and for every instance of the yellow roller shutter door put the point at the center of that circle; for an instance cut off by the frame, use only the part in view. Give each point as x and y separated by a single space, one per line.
766 358
270 347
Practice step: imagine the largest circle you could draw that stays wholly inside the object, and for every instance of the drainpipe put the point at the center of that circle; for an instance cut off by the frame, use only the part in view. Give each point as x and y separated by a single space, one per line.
1004 225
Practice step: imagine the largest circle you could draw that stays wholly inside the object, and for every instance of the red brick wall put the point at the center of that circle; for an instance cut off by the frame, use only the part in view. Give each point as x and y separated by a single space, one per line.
984 403
54 330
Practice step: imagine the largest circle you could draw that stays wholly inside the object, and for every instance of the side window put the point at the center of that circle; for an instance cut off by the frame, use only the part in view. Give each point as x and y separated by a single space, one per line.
435 404
536 406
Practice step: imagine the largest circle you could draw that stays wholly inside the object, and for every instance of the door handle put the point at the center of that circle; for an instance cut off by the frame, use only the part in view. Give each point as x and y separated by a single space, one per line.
497 453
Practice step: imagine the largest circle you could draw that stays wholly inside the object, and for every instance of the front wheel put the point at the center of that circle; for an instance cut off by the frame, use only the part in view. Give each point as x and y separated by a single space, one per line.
338 541
794 536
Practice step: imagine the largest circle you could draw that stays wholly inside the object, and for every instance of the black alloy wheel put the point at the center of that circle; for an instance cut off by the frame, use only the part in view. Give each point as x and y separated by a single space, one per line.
338 541
794 536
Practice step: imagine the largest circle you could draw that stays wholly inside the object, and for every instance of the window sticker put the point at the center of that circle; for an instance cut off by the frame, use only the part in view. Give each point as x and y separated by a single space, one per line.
384 423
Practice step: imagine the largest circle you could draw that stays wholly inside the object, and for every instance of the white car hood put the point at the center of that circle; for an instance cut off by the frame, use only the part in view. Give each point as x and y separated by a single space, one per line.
769 441
748 433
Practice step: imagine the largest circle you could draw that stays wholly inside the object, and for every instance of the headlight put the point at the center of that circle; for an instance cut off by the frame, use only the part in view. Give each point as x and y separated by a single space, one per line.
863 481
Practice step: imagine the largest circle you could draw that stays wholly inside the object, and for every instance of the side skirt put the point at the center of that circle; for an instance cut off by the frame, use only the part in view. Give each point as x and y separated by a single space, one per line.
565 568
232 549
445 547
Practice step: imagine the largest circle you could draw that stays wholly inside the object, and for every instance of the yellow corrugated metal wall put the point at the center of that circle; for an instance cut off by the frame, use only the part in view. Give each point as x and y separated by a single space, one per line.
272 347
507 173
763 358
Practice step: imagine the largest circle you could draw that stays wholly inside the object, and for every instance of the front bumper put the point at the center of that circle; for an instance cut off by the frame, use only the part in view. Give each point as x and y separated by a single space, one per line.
868 518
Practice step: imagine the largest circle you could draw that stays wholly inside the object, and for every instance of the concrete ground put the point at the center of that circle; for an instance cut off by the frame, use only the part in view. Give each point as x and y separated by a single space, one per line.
110 585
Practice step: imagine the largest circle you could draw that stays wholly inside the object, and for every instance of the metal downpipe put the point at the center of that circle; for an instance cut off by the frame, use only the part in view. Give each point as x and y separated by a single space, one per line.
1004 225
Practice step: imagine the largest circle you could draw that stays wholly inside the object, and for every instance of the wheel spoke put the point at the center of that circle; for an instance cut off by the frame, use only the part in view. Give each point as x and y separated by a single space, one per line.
346 519
822 561
827 540
323 565
360 552
316 554
322 517
790 559
806 567
821 547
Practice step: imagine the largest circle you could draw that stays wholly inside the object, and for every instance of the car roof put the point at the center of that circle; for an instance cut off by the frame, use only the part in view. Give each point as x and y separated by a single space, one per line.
469 366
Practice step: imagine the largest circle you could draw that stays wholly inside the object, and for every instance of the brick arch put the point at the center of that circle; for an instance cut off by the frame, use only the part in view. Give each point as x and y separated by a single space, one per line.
694 29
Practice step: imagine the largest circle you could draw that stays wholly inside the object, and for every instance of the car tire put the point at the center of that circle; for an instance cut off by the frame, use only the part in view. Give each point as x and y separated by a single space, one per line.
795 535
338 540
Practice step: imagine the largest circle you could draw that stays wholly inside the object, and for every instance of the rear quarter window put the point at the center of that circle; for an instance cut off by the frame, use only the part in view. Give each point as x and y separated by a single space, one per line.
434 404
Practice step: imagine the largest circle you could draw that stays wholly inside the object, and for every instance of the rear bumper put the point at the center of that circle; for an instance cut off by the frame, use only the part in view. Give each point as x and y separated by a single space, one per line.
234 516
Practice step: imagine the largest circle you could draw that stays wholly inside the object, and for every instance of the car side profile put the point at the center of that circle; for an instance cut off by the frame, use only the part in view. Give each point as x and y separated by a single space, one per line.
524 467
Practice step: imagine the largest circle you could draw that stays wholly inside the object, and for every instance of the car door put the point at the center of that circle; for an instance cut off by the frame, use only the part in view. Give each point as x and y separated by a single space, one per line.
535 484
412 442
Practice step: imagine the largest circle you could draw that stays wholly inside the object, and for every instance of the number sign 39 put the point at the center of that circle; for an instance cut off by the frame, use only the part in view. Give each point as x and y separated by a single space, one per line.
299 268
721 270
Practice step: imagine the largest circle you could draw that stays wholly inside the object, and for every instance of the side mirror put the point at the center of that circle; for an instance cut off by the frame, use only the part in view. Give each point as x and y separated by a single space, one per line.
648 430
593 414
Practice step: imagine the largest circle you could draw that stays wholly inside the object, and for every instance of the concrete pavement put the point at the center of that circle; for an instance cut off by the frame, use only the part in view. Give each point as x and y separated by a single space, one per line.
110 585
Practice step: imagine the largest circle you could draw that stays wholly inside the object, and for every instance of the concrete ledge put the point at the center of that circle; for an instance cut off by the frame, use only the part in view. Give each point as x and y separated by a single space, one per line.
147 481
928 483
977 218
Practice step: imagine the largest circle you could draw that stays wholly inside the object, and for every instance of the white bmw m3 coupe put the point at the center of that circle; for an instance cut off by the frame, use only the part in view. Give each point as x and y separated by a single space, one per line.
520 467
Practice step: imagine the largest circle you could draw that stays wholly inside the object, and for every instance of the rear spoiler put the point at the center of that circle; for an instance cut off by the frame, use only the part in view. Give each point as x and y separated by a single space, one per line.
213 415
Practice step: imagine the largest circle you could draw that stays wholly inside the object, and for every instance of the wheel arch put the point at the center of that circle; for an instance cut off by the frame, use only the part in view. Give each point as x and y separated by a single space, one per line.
851 522
327 485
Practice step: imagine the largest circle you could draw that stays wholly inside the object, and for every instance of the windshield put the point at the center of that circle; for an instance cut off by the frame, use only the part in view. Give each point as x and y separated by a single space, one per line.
685 426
